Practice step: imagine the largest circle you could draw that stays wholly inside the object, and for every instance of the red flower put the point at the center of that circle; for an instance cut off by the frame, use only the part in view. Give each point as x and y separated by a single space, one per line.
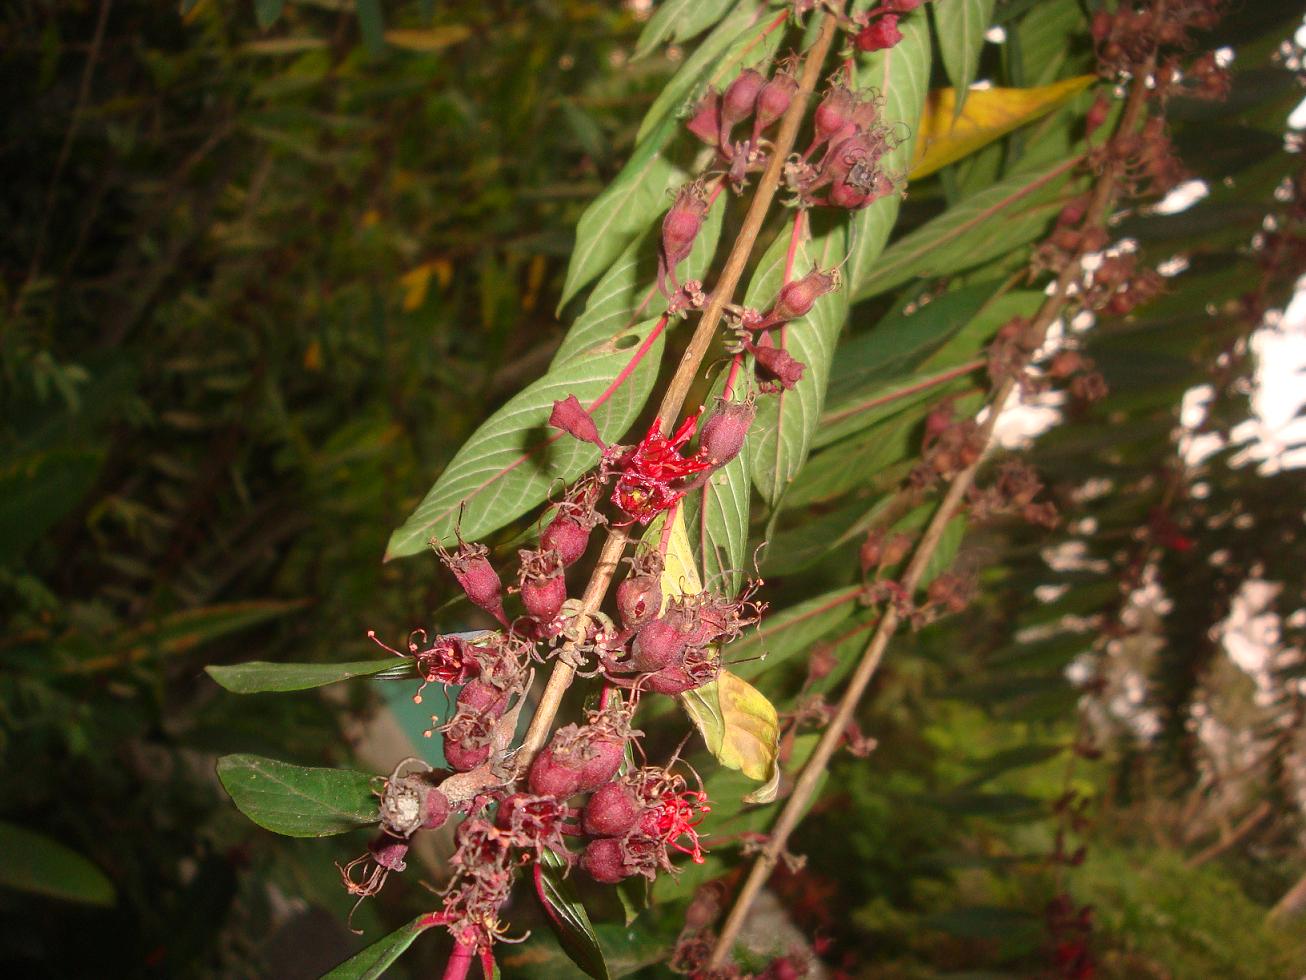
650 470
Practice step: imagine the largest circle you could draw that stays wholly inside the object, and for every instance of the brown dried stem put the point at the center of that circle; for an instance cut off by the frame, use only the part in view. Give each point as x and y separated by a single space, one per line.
818 764
678 388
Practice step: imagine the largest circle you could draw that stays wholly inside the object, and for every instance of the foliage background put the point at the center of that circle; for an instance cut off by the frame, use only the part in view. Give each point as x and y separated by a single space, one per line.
259 284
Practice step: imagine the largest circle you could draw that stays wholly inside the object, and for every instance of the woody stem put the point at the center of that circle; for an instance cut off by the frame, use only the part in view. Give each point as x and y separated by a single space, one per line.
678 388
1099 204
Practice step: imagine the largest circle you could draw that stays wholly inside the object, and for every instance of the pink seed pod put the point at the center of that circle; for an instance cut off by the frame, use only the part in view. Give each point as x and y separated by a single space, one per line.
797 298
478 579
658 643
773 101
834 114
466 755
724 432
570 416
435 810
568 537
550 776
480 698
672 680
777 369
389 852
611 811
738 101
543 598
878 35
639 597
680 227
605 861
705 118
608 755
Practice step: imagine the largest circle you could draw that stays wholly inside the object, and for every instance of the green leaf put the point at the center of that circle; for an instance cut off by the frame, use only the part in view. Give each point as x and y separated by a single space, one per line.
567 916
782 432
625 209
258 676
679 20
738 724
946 551
792 631
961 25
993 222
614 304
902 74
373 961
39 490
513 460
39 865
266 12
298 801
717 515
371 26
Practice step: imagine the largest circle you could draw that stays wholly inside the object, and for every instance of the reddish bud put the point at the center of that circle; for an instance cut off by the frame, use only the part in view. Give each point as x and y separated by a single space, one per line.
466 755
878 35
483 699
738 101
657 644
389 852
872 551
543 598
549 776
705 121
608 755
673 680
724 432
777 368
639 597
773 101
570 416
605 861
568 537
477 577
797 298
436 810
901 6
611 811
1096 114
834 114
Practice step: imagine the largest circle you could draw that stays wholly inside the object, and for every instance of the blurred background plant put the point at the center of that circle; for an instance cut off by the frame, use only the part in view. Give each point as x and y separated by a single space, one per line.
267 265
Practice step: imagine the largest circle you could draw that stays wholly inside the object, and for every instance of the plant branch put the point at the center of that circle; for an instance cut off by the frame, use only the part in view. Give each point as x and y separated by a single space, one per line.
805 787
678 388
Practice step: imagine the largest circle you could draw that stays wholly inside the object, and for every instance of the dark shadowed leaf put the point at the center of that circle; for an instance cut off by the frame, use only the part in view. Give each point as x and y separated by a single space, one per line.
373 961
259 675
570 922
39 865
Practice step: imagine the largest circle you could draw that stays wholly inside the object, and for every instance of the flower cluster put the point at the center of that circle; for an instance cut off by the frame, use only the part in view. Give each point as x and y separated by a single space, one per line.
850 173
716 115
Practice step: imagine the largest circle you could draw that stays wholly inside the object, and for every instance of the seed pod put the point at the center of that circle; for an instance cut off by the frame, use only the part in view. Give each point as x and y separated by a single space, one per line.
464 756
570 416
705 119
568 537
605 861
723 434
878 35
834 114
551 776
436 810
773 101
672 680
639 597
543 598
477 577
797 297
602 765
738 101
484 699
389 852
657 644
777 369
611 811
682 224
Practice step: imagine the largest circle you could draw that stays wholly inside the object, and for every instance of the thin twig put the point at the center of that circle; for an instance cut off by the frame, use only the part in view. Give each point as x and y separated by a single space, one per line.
805 787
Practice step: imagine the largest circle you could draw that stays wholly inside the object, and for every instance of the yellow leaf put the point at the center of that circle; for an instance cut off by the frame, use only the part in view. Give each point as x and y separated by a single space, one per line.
417 281
431 39
988 115
283 45
739 725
